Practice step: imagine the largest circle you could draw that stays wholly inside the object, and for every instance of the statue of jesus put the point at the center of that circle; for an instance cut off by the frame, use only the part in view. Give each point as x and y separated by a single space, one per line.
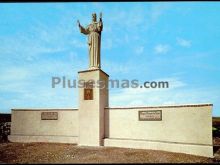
93 30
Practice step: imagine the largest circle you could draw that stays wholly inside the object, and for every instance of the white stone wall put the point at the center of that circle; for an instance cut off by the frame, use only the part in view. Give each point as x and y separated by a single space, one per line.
27 126
186 126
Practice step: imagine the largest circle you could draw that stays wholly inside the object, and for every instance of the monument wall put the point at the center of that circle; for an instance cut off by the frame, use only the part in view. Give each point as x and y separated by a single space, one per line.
44 125
184 128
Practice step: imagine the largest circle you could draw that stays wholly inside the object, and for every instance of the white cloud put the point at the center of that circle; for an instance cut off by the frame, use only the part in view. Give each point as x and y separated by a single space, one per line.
153 97
14 74
145 96
42 97
183 42
174 82
161 49
30 85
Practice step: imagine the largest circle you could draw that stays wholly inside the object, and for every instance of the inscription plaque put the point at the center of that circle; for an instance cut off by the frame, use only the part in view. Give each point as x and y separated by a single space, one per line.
49 115
88 91
153 115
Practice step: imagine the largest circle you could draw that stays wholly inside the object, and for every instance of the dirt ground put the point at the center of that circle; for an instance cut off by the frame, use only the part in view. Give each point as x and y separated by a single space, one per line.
69 153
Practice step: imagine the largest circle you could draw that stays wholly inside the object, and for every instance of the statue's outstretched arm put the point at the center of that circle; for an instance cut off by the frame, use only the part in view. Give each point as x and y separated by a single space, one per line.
82 29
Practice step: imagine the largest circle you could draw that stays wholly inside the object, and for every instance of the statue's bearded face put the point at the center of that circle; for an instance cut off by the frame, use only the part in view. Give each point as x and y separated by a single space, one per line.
94 17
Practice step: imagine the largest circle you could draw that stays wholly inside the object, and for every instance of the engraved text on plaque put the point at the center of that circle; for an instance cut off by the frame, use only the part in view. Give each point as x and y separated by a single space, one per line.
49 115
153 115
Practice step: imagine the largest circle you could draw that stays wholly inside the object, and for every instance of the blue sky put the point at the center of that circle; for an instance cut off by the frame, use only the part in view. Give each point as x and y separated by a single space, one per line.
149 41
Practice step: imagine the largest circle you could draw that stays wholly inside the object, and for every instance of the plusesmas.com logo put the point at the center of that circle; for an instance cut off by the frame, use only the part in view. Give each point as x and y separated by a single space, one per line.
63 82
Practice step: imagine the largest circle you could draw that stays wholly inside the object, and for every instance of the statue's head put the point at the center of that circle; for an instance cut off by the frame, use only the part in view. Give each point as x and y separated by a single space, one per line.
94 17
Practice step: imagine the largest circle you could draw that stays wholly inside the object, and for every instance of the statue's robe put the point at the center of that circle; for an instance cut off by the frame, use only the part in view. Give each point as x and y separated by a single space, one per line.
93 31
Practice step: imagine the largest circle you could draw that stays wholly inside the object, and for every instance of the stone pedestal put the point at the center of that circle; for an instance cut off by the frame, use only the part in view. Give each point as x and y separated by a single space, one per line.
92 102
